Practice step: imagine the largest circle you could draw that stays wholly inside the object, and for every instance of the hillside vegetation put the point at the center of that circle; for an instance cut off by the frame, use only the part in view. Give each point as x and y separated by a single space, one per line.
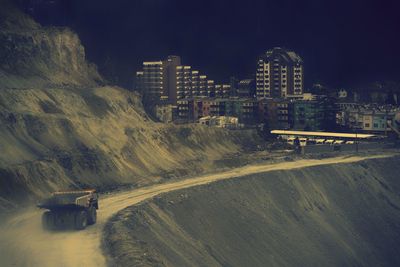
61 127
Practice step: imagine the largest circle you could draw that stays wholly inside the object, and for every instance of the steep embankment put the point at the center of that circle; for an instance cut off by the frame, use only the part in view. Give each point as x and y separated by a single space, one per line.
32 56
53 139
59 128
332 215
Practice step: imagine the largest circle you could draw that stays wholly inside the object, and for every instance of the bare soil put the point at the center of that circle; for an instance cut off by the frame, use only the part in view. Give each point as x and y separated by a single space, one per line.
340 214
23 242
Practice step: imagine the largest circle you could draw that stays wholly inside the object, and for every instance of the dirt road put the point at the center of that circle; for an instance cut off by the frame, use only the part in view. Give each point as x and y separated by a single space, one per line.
24 243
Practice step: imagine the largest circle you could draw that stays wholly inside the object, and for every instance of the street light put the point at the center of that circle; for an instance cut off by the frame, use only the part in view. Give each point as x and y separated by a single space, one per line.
386 120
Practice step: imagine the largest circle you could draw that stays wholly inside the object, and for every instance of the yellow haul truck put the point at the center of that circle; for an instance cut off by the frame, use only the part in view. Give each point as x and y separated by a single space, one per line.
70 209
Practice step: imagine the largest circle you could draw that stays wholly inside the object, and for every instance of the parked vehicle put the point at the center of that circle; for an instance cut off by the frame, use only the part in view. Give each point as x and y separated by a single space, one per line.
339 142
303 141
290 141
70 209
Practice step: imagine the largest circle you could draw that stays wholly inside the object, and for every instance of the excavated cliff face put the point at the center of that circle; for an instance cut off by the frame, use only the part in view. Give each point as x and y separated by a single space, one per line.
97 137
31 55
59 129
44 57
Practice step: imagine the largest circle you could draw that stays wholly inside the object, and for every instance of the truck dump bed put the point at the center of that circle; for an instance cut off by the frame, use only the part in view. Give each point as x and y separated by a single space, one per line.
72 199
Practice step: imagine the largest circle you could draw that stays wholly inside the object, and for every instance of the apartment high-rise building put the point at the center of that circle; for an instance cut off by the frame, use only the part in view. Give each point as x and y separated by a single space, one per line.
218 90
226 90
233 82
157 80
170 65
246 88
195 83
139 81
279 73
153 80
166 82
190 83
222 90
203 85
210 88
183 81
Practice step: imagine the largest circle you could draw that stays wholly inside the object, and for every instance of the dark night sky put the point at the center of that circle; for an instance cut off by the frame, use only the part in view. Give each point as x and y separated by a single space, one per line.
342 43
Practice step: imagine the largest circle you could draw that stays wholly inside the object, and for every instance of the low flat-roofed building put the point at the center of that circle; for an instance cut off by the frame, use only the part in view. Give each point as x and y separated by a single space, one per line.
220 121
328 135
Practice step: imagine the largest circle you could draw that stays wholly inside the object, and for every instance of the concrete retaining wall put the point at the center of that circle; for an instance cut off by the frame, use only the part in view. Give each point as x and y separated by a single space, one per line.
325 148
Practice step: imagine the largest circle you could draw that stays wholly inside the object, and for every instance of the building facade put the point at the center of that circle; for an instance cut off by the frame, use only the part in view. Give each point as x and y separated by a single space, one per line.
276 113
366 118
183 81
166 82
154 88
246 88
157 80
314 115
171 64
279 73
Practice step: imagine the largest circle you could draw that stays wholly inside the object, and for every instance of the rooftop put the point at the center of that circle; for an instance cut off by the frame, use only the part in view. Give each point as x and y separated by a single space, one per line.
325 134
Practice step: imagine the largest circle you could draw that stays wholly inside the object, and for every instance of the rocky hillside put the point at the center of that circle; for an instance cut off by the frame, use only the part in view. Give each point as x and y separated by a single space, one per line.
60 128
31 55
328 215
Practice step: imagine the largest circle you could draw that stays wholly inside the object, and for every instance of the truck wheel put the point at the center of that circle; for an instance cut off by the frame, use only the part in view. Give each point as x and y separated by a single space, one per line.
48 220
92 215
81 220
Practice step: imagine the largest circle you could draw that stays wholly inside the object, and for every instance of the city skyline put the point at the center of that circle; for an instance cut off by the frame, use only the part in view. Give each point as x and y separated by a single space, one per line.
279 74
343 43
168 80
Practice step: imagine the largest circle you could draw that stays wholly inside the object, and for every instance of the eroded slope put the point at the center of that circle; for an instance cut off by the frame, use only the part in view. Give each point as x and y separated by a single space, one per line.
97 137
61 127
333 215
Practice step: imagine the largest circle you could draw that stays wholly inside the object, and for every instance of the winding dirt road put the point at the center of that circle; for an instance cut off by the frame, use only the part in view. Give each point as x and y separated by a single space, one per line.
24 243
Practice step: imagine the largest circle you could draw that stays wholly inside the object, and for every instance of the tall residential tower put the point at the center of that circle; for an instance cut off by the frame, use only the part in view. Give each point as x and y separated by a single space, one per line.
165 82
279 74
157 80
